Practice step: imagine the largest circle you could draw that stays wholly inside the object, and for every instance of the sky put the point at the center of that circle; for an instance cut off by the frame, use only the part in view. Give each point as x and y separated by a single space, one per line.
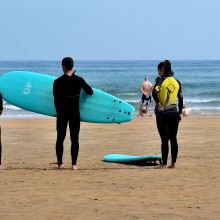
109 29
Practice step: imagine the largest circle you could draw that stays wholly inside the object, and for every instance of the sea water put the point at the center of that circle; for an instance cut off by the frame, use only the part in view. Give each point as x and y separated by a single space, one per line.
200 81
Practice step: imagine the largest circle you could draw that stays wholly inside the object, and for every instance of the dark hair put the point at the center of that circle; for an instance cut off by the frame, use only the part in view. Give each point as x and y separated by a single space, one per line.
166 65
68 63
160 65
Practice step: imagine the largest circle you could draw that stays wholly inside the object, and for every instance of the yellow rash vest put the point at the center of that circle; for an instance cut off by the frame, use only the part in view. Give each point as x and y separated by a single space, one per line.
166 91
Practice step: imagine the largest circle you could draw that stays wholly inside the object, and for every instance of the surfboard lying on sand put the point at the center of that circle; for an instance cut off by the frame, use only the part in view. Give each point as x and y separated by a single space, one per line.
122 158
34 92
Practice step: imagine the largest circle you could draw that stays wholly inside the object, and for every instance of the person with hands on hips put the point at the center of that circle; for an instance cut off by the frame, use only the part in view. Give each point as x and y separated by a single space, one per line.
166 91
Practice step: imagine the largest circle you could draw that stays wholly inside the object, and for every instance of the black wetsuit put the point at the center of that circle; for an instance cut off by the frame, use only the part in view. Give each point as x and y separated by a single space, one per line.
165 92
66 90
1 108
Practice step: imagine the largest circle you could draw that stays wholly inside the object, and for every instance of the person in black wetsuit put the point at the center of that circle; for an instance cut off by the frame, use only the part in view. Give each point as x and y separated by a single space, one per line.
1 110
165 92
66 91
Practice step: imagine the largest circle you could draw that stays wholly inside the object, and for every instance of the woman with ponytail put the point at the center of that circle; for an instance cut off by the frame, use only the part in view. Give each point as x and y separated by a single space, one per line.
165 93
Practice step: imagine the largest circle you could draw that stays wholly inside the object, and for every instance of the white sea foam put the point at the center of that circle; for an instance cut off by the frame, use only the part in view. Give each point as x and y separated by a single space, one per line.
201 100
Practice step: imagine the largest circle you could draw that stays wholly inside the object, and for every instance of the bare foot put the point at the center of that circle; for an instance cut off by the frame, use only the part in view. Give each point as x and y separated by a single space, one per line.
75 167
60 167
161 167
172 166
3 167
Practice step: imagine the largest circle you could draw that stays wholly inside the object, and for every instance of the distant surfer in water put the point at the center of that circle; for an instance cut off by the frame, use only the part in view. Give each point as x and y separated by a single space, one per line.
146 89
165 92
1 110
66 90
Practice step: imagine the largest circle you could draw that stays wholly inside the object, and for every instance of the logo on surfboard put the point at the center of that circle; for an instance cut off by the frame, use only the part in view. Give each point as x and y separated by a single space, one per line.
27 89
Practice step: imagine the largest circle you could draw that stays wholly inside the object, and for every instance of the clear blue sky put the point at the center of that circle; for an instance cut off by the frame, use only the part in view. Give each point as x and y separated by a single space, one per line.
109 29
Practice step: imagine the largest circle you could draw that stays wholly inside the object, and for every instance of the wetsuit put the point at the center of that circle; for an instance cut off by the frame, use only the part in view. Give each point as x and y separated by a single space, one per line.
1 108
66 90
166 90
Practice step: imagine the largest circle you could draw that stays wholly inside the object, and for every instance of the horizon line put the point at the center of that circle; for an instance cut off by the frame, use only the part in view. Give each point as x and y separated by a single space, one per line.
111 60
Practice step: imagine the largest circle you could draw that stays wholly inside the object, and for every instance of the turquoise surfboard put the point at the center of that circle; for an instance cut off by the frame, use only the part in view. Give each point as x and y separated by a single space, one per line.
34 92
122 158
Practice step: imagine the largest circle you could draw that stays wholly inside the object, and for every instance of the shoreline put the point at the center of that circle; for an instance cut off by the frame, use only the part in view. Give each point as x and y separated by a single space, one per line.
134 117
24 114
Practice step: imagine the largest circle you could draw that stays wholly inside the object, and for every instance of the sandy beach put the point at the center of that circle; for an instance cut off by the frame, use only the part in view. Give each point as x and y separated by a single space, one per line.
32 187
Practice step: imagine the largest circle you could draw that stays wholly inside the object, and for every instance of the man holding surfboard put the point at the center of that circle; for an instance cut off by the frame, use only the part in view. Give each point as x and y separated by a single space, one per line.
66 91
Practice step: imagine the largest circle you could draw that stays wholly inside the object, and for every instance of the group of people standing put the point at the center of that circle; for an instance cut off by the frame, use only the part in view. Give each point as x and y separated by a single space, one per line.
165 92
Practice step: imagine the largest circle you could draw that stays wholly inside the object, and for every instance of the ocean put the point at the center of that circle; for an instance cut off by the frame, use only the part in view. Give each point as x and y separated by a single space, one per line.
200 81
